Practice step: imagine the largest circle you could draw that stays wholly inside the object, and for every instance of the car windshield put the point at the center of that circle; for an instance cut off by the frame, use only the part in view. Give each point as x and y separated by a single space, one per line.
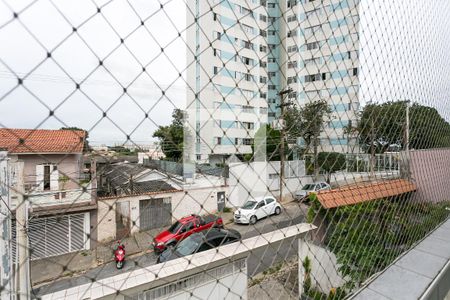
175 227
189 245
309 187
249 204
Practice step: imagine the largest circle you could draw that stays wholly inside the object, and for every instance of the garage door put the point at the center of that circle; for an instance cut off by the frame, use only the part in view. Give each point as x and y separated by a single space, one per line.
155 213
55 235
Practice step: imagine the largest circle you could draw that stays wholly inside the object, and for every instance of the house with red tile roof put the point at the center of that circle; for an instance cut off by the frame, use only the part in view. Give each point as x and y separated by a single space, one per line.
60 193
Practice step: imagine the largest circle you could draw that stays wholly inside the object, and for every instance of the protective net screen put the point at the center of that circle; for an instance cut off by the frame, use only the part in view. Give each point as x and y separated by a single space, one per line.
222 149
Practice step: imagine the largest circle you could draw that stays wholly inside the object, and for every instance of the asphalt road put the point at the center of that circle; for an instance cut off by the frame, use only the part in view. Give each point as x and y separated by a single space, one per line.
257 262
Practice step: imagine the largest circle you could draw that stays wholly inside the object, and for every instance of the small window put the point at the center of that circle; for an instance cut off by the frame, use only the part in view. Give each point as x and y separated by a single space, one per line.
260 204
269 200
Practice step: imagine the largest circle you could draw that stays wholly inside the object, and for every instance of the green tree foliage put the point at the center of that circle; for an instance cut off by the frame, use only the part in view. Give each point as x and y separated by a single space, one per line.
331 162
171 137
384 124
367 237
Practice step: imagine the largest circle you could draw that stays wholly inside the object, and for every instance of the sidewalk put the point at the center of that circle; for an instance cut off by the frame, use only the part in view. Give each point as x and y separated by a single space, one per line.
53 268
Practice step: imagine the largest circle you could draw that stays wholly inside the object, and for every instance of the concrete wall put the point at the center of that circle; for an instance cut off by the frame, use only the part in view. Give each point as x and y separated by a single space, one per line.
194 201
431 171
261 178
324 267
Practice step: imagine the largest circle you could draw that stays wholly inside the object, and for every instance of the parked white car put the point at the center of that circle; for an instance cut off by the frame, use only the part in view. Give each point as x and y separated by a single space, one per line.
311 187
256 209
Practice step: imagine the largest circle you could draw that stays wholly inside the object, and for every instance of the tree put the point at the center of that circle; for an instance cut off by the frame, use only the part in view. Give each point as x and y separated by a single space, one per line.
171 137
312 118
383 125
331 162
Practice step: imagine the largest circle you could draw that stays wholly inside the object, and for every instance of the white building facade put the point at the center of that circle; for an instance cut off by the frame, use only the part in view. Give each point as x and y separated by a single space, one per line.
241 54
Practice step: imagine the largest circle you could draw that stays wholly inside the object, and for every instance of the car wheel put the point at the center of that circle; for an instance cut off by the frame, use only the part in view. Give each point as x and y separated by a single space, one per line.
253 220
277 210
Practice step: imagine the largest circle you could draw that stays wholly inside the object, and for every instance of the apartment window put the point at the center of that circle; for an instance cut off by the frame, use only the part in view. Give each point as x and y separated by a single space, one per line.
263 2
262 48
312 46
354 72
216 70
292 64
324 76
199 156
214 16
292 18
262 33
263 110
292 80
247 45
262 64
272 87
248 77
218 35
263 18
247 141
247 109
292 33
313 77
197 139
272 32
272 46
272 100
218 140
263 79
248 125
271 74
262 95
292 49
272 20
247 61
292 95
271 5
271 115
236 141
291 3
216 52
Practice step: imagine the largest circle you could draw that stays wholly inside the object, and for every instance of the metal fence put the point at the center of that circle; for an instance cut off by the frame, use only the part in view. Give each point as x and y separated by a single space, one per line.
316 106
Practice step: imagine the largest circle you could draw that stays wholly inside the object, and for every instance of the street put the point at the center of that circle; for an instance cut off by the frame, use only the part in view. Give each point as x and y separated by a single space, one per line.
257 262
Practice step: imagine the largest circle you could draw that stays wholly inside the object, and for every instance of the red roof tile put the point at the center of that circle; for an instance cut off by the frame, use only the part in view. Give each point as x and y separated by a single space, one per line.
42 141
364 192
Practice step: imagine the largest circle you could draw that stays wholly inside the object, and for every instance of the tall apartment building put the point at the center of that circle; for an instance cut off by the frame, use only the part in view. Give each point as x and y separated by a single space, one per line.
322 47
242 53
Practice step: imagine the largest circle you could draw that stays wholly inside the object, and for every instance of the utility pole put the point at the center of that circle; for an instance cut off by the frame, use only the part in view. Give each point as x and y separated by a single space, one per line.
282 138
406 142
372 149
23 291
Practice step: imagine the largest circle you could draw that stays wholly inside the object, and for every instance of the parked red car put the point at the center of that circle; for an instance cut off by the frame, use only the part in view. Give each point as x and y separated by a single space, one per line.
184 228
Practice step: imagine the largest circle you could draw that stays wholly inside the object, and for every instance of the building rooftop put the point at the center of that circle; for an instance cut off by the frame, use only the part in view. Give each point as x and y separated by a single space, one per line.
363 192
33 141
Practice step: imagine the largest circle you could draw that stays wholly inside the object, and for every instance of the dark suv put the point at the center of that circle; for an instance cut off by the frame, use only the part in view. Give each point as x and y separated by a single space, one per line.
199 242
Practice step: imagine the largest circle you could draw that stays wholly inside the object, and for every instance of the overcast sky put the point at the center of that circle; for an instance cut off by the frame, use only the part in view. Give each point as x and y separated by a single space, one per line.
405 56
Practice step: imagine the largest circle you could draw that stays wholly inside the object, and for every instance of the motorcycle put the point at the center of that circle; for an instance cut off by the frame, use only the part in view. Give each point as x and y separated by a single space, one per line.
119 255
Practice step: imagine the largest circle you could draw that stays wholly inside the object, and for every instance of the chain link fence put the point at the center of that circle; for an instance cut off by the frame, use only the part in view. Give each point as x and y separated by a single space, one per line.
226 149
